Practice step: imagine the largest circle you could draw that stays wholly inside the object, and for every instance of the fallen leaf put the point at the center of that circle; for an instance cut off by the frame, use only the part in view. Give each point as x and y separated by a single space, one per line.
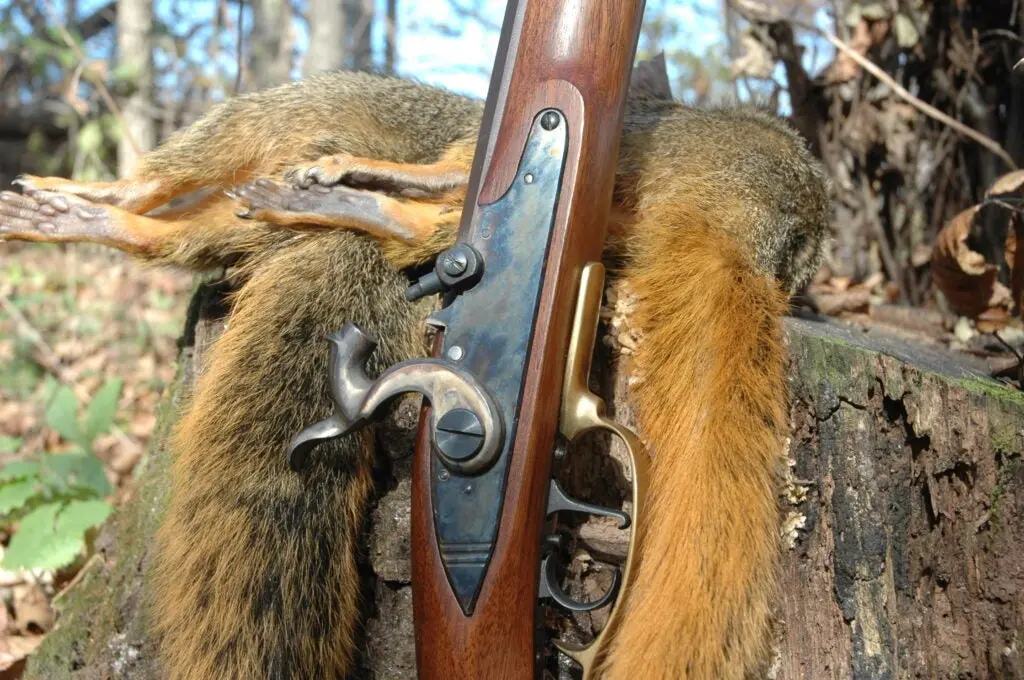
963 275
32 611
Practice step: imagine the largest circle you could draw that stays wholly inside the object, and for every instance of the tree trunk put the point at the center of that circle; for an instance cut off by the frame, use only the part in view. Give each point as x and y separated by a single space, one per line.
339 35
359 24
901 520
391 37
135 53
270 44
326 36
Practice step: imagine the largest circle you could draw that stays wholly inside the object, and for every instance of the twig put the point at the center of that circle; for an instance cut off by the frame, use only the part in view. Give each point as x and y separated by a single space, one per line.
104 92
892 266
49 360
1016 354
238 54
758 12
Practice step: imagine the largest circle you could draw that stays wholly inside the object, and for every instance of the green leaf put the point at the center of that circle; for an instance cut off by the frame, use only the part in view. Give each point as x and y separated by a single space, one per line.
53 535
67 472
9 444
62 415
80 516
102 408
90 137
21 469
14 495
34 544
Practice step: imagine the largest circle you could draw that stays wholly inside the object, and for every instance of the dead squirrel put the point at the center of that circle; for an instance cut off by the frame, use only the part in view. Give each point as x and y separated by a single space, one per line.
718 215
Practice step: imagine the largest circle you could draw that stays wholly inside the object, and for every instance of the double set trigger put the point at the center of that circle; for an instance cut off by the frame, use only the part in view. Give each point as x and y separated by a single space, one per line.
583 411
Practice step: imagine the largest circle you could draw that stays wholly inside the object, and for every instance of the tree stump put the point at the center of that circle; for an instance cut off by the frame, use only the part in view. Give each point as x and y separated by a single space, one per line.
901 520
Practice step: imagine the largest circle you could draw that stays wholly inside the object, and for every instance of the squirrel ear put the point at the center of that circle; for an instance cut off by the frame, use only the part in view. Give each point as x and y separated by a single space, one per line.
650 78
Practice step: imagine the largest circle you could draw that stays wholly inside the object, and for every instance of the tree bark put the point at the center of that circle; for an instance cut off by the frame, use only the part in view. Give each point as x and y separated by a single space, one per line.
359 24
270 44
135 53
900 516
327 23
339 35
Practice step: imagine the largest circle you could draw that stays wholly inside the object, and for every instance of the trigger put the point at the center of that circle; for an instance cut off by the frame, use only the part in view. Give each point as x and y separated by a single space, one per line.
559 500
549 588
302 444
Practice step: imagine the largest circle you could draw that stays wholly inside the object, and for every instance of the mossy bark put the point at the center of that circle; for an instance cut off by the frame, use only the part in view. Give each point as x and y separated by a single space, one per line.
101 630
901 517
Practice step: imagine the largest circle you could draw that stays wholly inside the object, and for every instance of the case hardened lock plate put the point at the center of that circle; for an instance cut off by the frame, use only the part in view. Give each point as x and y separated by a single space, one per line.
488 333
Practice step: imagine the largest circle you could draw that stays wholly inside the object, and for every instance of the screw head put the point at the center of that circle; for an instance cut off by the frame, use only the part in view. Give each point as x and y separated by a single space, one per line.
454 263
528 178
459 434
549 121
455 353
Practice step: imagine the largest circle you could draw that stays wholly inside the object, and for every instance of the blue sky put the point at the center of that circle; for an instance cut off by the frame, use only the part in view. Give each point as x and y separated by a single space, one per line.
453 61
459 60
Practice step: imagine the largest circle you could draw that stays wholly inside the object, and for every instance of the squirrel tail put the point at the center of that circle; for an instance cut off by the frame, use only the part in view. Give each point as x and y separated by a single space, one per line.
255 572
711 407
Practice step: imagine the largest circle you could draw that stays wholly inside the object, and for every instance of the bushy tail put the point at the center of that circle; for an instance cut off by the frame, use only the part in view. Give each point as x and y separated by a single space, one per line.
255 568
711 404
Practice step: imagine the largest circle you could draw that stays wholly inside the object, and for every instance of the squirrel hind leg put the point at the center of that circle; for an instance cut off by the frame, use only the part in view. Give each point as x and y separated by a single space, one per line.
133 195
50 216
407 229
209 235
412 179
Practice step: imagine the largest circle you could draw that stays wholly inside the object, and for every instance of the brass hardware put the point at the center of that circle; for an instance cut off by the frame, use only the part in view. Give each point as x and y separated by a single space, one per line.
582 410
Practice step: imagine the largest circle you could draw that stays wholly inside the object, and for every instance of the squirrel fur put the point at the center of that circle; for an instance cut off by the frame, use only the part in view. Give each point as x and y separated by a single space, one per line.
718 216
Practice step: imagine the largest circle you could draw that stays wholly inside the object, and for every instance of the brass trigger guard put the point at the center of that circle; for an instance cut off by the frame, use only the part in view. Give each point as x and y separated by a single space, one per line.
356 397
582 411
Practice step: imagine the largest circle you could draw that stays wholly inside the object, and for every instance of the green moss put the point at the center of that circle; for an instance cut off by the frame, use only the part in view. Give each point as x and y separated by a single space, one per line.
847 367
992 390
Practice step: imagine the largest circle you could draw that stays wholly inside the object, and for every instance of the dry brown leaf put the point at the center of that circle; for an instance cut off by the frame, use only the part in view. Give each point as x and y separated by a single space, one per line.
1007 185
1011 185
32 611
963 275
845 68
1015 258
835 304
15 648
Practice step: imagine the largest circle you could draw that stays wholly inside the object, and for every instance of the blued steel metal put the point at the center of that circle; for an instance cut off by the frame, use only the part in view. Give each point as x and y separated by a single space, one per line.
549 588
493 323
356 398
488 330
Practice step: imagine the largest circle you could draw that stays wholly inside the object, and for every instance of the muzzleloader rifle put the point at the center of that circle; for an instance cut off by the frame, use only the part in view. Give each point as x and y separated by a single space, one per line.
522 290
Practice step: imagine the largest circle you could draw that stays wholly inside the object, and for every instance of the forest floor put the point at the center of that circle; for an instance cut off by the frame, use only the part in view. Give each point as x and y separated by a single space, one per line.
77 316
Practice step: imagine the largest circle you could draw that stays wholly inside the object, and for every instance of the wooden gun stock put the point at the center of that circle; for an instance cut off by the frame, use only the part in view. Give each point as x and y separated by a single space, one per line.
573 57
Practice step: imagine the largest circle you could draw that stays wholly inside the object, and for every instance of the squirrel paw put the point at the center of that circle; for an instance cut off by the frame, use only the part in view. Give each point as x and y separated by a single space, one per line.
408 180
132 195
269 201
51 216
331 171
339 207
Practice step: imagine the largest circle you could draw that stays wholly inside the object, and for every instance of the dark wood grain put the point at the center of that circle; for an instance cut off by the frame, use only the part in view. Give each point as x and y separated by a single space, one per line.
576 56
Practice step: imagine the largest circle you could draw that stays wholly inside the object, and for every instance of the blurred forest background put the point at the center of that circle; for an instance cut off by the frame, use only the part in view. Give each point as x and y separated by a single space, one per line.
912 105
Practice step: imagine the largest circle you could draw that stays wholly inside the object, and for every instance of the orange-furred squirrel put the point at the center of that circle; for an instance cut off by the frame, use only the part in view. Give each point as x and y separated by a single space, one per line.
718 215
